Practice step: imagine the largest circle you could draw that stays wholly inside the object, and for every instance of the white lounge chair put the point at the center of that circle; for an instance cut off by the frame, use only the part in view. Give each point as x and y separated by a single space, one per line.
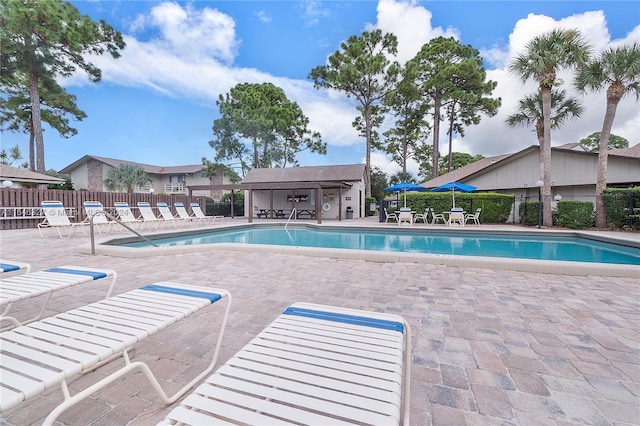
48 353
167 216
148 216
44 283
197 211
183 214
475 217
55 217
13 266
126 216
314 364
95 210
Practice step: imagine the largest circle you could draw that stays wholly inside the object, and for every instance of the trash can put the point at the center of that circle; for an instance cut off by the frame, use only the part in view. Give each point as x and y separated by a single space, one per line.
349 213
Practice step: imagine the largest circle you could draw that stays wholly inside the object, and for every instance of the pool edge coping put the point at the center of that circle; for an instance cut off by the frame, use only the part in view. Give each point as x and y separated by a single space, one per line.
512 264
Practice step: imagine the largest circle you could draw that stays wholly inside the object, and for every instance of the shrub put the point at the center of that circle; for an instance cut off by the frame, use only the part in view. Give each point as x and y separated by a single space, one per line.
622 207
576 214
495 207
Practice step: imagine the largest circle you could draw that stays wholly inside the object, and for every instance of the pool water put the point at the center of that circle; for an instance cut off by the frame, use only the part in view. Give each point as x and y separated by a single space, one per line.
488 245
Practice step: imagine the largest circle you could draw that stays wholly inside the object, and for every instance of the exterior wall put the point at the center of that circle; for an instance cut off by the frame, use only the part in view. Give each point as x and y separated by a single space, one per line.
354 198
567 170
79 178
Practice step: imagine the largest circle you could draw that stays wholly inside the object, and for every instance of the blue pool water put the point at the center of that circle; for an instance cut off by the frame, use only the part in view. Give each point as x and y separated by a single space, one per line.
488 245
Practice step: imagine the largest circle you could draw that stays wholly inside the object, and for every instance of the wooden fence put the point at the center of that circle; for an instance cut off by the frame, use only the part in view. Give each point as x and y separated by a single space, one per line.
19 208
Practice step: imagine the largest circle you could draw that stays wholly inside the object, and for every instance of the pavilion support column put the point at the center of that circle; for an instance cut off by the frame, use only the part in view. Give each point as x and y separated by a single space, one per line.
271 204
250 212
319 197
339 204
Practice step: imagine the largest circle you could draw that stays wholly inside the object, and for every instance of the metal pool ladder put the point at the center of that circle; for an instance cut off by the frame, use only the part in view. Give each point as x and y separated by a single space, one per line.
293 211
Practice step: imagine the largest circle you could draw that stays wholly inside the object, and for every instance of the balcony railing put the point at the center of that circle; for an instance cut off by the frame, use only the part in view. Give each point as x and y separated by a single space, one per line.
173 188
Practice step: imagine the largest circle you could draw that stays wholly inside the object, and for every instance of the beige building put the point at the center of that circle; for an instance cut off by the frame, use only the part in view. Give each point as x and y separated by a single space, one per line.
573 172
89 172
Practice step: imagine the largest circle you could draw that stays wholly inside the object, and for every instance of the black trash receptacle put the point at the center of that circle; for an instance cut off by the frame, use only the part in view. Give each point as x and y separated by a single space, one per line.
349 213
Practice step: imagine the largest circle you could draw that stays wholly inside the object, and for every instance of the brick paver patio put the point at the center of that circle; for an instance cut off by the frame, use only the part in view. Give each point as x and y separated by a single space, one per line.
489 346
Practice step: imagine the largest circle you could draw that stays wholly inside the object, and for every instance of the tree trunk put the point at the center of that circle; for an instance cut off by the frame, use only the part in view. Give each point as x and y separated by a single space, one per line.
36 121
546 154
436 137
603 157
32 149
367 165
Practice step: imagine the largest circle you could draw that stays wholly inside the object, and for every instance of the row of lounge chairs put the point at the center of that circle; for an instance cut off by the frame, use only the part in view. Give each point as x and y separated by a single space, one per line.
57 219
314 364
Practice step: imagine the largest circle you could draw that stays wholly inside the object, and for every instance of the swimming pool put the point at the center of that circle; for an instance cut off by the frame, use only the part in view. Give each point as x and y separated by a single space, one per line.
509 246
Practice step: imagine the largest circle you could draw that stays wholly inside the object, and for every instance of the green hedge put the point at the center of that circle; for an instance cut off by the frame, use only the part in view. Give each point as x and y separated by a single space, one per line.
495 207
576 214
528 213
622 207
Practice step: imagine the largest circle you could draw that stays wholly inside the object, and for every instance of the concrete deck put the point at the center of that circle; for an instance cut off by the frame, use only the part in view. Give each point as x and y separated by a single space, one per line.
490 345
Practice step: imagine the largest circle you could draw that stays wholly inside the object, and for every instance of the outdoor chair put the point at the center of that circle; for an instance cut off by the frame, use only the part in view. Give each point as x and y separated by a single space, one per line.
475 217
95 211
50 352
390 216
167 216
148 216
314 364
183 214
422 216
13 266
55 217
405 216
456 216
44 283
435 217
199 214
126 216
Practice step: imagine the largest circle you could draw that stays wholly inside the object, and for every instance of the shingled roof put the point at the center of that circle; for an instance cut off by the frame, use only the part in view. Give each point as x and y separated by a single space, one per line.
148 168
26 176
340 173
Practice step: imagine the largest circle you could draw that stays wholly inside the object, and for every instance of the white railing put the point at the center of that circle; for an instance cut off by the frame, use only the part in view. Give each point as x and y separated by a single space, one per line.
175 187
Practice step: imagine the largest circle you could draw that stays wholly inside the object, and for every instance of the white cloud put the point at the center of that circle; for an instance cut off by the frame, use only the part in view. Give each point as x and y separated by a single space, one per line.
193 56
263 16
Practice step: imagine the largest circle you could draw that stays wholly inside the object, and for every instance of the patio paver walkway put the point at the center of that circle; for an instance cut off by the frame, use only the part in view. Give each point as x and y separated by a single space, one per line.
490 346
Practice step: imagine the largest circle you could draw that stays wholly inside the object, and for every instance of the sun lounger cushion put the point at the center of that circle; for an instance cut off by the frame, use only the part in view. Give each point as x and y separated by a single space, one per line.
46 353
314 364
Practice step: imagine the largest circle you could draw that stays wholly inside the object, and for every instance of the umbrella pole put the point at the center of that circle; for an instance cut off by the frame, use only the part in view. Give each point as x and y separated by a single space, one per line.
453 195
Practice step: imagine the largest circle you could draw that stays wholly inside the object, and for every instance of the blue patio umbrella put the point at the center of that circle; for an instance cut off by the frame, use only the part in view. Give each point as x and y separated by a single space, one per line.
405 187
453 187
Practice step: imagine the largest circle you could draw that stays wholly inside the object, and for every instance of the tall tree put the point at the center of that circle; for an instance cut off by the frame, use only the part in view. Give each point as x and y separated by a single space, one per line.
592 142
457 160
50 38
275 127
543 57
410 128
126 176
448 71
469 101
362 69
618 69
57 106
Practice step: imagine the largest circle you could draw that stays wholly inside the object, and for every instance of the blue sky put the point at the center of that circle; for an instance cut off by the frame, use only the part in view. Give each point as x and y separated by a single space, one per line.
156 104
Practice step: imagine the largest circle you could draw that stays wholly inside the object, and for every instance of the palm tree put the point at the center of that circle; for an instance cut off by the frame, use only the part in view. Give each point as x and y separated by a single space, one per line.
126 176
618 69
544 56
530 112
